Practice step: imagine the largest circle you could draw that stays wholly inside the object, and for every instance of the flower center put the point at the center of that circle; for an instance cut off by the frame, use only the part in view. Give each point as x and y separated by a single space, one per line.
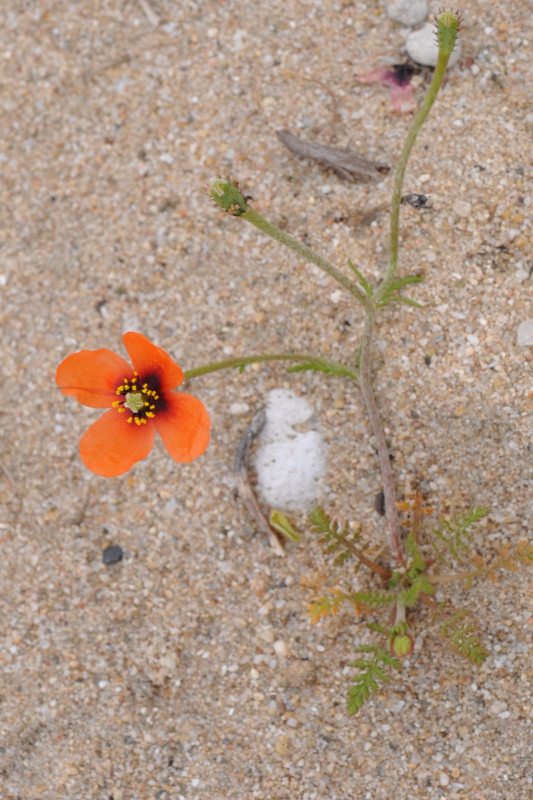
138 398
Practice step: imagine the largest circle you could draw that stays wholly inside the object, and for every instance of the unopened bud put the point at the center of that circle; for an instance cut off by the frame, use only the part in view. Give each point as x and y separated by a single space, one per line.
402 645
227 195
448 24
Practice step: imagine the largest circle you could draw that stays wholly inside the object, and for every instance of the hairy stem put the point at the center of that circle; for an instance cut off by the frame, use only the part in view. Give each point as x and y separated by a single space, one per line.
414 130
305 252
244 361
365 382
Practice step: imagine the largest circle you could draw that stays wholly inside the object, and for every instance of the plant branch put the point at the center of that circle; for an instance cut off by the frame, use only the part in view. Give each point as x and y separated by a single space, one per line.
252 216
418 121
244 361
365 383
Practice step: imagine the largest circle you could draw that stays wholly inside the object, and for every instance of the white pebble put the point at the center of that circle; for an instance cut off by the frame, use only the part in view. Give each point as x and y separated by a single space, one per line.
237 409
422 47
290 461
281 649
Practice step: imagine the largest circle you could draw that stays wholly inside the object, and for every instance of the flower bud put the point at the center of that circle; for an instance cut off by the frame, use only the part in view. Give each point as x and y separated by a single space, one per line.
227 195
402 645
448 24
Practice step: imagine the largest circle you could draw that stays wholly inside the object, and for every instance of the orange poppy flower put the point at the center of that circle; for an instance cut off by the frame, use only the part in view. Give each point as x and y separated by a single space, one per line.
141 402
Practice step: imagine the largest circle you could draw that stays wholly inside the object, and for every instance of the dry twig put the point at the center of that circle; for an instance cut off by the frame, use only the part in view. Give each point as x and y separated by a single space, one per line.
244 489
345 163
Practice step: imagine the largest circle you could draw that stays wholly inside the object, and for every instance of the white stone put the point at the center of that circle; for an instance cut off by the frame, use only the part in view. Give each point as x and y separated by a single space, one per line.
291 461
524 335
462 208
236 409
407 12
421 46
281 649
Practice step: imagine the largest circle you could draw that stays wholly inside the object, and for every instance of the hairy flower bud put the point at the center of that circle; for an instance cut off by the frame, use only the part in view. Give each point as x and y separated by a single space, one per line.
448 24
227 195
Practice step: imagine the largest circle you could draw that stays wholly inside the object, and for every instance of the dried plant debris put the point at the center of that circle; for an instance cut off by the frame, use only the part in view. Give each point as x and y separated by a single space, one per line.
398 79
345 163
244 489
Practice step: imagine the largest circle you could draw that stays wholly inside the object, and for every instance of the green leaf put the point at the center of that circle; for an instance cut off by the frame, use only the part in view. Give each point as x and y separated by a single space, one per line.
364 283
399 298
334 538
373 599
321 365
417 562
401 282
463 638
280 523
455 535
391 297
420 585
372 675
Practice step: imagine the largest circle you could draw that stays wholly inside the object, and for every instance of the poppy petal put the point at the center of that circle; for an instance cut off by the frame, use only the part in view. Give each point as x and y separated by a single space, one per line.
92 376
147 360
112 445
183 426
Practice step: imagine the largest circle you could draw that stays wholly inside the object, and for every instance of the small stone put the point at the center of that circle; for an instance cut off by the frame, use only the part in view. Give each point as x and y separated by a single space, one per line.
281 649
524 335
462 208
498 707
407 12
112 554
421 46
237 409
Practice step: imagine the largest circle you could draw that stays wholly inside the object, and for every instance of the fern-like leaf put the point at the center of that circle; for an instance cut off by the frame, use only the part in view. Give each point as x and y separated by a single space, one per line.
335 539
372 599
371 677
456 535
417 563
329 604
420 585
463 638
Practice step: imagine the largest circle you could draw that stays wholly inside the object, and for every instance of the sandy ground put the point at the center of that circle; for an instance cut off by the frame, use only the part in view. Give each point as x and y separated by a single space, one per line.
189 669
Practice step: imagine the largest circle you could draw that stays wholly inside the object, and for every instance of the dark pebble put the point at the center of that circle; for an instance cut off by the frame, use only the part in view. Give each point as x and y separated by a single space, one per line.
112 554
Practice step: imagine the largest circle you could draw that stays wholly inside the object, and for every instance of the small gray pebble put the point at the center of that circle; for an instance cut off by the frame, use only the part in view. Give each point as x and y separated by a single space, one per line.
421 46
407 12
112 554
524 335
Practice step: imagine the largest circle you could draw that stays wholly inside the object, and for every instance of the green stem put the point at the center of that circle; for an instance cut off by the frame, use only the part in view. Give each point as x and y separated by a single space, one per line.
418 121
240 363
252 216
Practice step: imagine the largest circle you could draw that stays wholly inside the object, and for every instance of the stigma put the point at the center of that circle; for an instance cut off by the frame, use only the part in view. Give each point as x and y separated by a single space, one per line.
138 398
